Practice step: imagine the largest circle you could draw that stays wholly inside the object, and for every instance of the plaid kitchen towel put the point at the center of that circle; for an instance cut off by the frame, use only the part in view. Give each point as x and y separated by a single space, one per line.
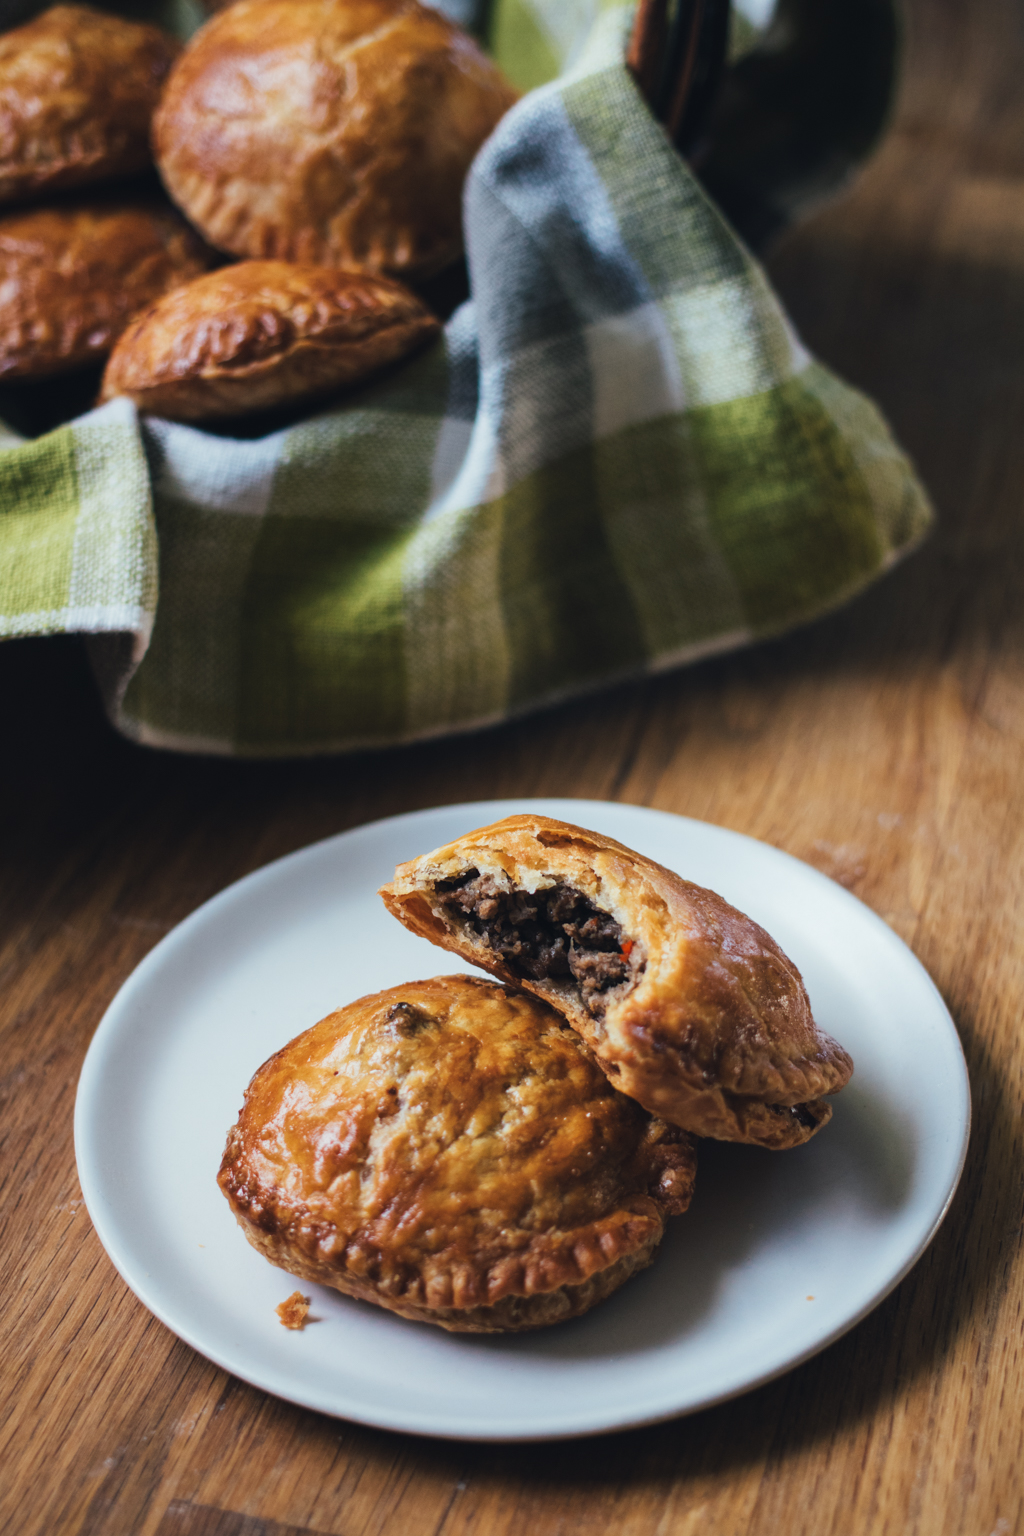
618 458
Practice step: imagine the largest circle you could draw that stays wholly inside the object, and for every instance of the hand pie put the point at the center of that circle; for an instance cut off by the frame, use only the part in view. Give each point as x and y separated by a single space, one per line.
73 276
262 334
77 93
689 1006
449 1150
331 131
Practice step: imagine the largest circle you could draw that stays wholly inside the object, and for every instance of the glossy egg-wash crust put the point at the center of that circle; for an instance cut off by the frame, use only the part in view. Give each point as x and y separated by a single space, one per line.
77 95
712 1030
330 131
449 1150
74 275
262 334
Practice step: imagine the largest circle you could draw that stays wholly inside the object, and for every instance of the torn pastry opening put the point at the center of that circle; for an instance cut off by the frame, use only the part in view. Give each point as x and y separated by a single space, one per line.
554 933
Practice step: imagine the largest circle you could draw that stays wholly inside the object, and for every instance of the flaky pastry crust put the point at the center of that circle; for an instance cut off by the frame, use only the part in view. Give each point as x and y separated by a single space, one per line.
77 95
263 334
330 131
688 1005
74 275
448 1150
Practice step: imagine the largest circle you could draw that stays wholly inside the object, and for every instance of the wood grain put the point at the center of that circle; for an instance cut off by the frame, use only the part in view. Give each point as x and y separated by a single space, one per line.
884 745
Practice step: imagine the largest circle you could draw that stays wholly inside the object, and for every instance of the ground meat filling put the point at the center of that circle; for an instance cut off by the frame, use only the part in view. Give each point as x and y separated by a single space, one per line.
554 932
808 1115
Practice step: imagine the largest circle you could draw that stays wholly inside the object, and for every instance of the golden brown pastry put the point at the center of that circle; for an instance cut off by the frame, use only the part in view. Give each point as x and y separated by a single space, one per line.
72 277
262 334
331 131
449 1150
690 1007
77 93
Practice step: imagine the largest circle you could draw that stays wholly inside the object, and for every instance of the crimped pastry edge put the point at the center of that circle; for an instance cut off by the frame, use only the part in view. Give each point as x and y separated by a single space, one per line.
551 1262
514 1313
308 370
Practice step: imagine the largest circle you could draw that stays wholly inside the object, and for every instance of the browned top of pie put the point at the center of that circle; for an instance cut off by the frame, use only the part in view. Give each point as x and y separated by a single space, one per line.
262 333
332 131
77 94
74 275
453 1143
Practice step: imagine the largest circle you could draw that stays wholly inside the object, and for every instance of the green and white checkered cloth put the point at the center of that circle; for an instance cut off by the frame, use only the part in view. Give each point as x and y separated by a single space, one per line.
619 458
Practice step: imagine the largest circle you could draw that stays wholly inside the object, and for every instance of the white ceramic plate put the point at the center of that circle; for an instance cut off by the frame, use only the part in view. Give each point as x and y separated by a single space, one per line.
779 1254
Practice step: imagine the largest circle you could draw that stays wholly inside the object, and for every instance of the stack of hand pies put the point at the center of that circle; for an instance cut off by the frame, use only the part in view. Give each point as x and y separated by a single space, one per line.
500 1155
323 142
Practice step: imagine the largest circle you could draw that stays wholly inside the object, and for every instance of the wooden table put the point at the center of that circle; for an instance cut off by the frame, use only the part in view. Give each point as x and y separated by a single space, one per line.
884 744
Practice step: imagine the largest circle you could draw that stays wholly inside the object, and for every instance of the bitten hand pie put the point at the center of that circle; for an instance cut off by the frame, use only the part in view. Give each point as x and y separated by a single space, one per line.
330 131
690 1007
449 1150
73 276
262 334
77 93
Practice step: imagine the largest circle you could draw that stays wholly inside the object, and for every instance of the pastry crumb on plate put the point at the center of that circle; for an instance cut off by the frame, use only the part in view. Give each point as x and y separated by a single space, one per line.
294 1312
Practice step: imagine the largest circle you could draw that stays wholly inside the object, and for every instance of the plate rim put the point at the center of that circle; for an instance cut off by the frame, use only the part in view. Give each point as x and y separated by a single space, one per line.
104 1040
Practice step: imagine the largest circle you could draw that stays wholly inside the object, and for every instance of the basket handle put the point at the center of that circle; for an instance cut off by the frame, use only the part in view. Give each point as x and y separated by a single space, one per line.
676 55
